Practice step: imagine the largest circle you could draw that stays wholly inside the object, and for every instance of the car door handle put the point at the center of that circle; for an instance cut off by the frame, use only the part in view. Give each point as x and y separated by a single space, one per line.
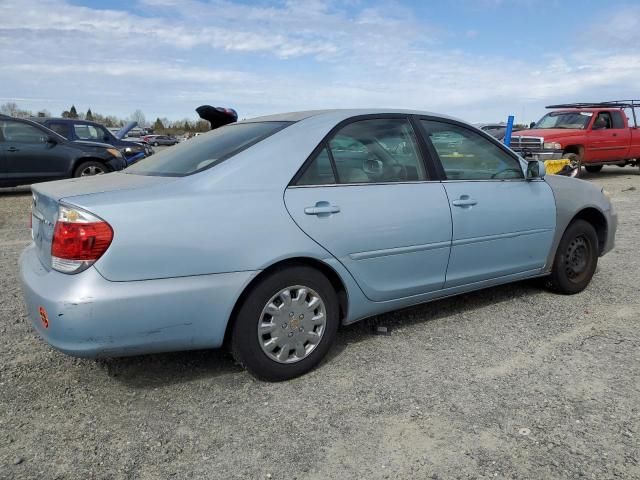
464 201
322 209
13 149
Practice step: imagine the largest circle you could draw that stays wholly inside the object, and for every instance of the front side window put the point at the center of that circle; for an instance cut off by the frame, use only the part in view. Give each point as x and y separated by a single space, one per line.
87 132
467 155
377 151
207 150
603 121
618 121
18 132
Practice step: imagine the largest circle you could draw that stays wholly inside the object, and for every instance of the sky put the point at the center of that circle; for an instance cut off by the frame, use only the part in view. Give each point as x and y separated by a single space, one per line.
479 60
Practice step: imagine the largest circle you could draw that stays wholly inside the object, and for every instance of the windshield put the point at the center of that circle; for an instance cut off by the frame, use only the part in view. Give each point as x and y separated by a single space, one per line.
574 120
207 150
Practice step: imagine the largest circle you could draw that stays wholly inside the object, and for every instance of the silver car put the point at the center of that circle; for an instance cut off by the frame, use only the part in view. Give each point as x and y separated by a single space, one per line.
267 234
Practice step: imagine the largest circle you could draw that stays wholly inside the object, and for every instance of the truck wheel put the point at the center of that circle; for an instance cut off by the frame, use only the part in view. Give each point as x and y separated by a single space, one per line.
593 168
87 169
286 324
576 164
576 259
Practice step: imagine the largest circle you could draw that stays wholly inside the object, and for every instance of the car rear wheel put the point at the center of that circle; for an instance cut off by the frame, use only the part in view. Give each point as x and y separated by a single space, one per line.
593 168
155 144
576 259
87 169
286 324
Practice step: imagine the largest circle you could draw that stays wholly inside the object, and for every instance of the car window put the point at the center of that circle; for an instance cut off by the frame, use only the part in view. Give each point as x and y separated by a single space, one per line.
61 128
319 172
602 121
377 151
18 132
87 132
206 150
467 155
618 122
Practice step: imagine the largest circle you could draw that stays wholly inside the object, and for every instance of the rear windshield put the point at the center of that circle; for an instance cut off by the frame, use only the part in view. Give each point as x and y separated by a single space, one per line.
205 151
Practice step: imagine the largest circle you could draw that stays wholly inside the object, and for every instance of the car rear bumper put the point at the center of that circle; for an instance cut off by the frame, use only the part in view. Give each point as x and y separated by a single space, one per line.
89 316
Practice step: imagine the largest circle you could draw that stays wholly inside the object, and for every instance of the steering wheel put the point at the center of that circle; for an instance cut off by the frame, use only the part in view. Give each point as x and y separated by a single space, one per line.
495 175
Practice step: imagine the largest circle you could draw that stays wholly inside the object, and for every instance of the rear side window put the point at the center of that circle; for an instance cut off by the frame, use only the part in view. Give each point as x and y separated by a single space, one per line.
18 132
319 172
205 151
61 128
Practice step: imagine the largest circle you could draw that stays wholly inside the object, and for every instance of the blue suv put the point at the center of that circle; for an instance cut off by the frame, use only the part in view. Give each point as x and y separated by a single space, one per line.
85 130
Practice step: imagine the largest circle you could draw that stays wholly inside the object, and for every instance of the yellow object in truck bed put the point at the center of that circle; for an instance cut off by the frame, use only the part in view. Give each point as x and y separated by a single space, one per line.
554 166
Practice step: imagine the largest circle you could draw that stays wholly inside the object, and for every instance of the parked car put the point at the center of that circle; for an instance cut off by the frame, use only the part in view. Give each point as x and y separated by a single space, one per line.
30 152
267 234
76 129
157 140
589 134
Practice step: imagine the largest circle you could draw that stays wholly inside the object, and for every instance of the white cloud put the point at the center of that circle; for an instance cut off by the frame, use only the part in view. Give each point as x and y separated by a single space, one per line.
294 55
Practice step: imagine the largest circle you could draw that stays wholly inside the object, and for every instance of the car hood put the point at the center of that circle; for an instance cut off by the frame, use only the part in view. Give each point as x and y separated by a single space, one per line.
126 129
110 182
547 132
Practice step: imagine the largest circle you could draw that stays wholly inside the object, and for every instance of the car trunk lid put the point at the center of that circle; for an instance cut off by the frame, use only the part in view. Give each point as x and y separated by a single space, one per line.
46 198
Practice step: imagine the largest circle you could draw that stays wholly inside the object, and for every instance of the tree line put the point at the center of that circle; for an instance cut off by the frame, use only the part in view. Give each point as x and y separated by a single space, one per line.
160 125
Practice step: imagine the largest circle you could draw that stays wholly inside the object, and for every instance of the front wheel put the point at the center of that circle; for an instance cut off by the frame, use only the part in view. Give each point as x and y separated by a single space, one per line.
575 163
286 324
576 259
593 168
87 169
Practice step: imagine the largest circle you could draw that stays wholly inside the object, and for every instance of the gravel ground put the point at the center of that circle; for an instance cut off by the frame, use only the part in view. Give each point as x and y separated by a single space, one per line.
509 382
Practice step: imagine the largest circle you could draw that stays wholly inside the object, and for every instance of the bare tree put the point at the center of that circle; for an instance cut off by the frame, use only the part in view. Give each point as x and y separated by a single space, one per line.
139 117
10 108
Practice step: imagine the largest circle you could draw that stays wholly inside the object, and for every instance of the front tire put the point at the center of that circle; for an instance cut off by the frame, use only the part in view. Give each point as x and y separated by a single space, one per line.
593 168
286 324
576 164
576 259
88 169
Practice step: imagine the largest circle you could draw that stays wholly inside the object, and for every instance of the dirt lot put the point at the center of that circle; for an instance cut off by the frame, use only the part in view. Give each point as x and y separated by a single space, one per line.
510 382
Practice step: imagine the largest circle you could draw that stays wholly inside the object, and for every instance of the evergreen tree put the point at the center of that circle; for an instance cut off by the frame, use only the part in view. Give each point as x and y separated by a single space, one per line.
158 125
73 113
89 115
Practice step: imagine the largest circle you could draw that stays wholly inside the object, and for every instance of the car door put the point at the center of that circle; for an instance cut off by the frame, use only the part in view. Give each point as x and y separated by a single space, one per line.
29 156
502 223
604 141
366 197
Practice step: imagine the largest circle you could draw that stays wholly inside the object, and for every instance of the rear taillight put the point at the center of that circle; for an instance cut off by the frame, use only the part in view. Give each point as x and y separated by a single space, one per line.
79 239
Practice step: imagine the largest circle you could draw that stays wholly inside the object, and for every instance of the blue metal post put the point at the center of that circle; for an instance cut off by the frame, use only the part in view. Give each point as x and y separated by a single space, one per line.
507 134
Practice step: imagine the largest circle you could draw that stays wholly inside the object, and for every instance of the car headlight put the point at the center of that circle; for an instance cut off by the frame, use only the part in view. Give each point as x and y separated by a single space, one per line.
552 146
128 150
114 152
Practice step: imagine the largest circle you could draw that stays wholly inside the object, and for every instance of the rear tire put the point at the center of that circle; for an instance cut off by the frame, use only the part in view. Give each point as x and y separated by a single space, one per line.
593 168
272 338
576 259
87 169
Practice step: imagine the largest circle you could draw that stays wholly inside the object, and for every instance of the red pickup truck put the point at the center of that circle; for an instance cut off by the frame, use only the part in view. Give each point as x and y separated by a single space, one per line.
589 134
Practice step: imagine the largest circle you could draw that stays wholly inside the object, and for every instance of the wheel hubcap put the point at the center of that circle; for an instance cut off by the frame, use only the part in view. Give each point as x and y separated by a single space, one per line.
92 170
292 324
577 259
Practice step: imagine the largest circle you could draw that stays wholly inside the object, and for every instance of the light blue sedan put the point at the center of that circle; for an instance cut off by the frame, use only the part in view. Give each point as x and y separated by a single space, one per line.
267 234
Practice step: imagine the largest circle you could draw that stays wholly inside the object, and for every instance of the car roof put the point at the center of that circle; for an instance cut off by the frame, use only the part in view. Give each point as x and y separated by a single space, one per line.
338 114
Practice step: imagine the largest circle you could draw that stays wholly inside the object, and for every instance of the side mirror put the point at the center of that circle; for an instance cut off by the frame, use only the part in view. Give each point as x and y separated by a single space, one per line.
52 141
532 124
535 169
